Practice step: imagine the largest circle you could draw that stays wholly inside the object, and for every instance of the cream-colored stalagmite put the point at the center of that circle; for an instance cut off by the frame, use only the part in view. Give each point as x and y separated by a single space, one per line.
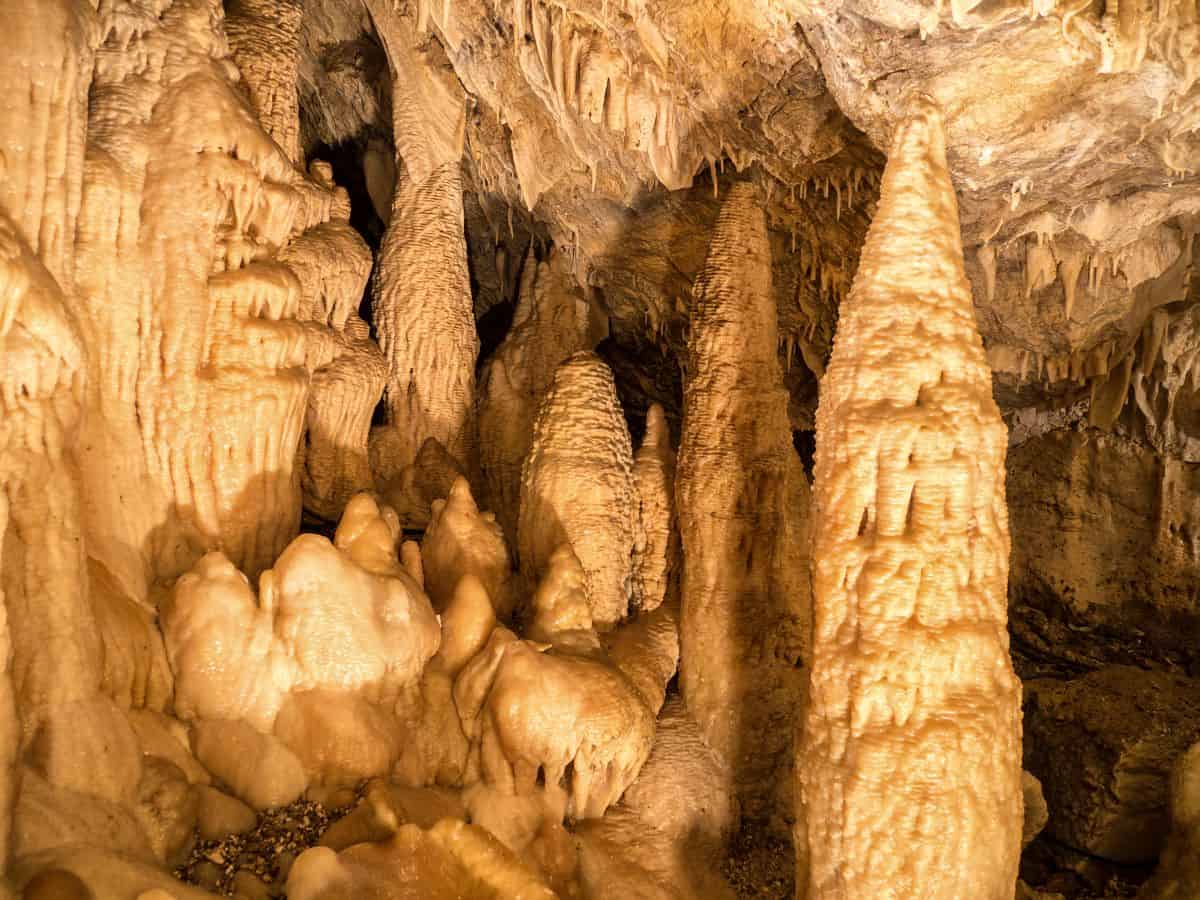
264 37
743 507
656 556
577 487
421 301
549 324
911 759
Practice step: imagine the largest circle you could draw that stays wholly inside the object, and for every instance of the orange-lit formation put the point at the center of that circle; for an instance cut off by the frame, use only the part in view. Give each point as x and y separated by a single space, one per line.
599 449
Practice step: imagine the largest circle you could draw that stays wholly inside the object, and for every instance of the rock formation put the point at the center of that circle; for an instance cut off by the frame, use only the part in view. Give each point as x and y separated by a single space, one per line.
577 487
328 329
913 712
656 559
549 324
421 302
743 504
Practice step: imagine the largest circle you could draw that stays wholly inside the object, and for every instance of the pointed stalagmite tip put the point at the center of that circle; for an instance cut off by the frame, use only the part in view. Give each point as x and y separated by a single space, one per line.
914 245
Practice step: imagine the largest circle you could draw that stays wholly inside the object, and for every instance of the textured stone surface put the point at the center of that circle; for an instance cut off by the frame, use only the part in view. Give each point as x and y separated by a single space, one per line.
577 487
914 712
742 501
1103 746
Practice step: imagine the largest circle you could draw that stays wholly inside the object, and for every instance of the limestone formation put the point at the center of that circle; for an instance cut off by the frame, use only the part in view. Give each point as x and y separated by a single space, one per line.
347 369
656 559
602 704
577 487
264 36
449 859
913 712
342 619
742 502
551 321
421 301
327 328
463 541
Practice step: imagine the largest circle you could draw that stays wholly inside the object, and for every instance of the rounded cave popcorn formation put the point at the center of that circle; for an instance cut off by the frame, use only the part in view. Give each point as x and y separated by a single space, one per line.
404 450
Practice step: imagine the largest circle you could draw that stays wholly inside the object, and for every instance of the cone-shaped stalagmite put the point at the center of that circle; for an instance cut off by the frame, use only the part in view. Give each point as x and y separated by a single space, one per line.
742 505
656 555
549 324
577 487
911 763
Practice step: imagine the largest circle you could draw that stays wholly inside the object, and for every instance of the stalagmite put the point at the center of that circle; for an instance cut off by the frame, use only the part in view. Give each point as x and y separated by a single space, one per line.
577 486
911 765
275 546
421 302
743 508
550 323
462 541
656 557
67 752
337 632
582 717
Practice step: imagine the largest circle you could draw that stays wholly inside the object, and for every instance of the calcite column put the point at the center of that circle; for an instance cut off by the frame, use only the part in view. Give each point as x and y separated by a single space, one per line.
421 302
264 38
743 506
911 759
549 324
577 487
49 655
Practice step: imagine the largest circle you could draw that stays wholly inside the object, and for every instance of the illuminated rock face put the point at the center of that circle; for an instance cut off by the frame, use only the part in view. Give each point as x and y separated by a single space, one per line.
910 767
577 486
549 324
656 558
340 616
743 505
421 302
670 198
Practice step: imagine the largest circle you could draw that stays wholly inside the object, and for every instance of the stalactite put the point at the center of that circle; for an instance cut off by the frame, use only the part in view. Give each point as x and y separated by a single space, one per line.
914 710
421 301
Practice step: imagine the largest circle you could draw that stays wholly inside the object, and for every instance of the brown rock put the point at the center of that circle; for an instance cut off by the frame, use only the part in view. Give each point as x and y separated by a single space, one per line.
1103 746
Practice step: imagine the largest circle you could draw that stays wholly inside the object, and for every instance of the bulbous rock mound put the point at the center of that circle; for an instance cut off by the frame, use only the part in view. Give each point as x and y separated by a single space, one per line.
577 486
911 764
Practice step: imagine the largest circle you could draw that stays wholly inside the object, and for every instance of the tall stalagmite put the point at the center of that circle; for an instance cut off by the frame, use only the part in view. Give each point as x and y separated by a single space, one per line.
911 763
743 506
422 303
656 556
